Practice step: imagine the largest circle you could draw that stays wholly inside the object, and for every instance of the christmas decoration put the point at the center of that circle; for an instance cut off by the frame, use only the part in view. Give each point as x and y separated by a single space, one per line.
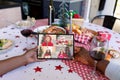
37 69
70 71
63 14
76 16
59 67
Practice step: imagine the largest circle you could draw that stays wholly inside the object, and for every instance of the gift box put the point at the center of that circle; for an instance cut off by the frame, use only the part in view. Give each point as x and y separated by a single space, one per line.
104 34
82 38
78 21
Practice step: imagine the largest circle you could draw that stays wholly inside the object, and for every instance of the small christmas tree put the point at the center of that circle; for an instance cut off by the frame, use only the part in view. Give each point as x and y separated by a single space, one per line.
63 14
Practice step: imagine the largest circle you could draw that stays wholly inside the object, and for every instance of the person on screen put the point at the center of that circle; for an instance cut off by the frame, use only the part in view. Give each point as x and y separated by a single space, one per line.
62 54
68 52
47 54
47 41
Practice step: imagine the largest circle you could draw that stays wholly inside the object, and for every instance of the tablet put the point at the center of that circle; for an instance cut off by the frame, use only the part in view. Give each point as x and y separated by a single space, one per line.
55 46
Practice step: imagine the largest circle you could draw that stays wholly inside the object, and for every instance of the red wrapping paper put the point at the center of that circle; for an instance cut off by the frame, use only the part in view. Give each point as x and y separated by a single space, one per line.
104 34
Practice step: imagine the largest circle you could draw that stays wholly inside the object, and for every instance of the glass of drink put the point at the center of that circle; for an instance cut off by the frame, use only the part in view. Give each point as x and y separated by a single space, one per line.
26 33
98 50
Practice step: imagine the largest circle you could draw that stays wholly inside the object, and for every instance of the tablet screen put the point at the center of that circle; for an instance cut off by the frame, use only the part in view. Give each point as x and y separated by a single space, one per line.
55 46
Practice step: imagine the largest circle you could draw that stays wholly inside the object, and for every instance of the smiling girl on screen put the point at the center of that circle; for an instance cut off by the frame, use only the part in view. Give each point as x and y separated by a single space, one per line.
62 54
47 54
47 41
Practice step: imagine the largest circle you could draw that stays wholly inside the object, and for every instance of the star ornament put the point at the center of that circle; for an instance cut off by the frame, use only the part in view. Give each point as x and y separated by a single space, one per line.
16 46
59 67
38 69
17 36
70 71
25 49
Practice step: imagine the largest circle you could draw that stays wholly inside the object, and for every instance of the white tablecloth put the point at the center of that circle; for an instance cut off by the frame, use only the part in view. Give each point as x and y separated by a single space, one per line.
50 69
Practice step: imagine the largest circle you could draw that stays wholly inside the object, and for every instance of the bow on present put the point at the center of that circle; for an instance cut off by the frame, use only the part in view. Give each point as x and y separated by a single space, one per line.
74 14
104 35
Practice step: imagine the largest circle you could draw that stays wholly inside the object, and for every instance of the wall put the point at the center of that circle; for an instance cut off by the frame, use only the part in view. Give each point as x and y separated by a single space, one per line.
117 10
108 8
9 16
93 9
86 7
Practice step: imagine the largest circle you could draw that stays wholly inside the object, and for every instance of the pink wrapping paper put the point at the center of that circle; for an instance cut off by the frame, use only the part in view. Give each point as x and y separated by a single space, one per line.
104 34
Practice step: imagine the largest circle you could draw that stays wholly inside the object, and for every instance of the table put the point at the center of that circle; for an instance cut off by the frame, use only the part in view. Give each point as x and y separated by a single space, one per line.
50 69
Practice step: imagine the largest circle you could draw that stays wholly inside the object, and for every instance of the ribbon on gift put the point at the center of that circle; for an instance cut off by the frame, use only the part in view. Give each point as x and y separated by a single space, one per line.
104 34
82 38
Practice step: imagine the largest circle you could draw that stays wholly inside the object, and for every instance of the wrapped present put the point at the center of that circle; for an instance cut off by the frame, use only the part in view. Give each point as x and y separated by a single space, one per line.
82 38
104 34
78 21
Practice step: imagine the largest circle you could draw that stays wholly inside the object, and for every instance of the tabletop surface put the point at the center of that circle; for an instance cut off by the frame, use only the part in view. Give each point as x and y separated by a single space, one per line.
50 69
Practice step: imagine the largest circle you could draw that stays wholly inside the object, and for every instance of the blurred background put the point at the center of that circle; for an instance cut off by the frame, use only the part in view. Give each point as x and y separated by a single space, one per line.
85 8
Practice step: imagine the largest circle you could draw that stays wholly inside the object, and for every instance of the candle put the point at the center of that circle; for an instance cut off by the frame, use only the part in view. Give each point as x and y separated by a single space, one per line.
70 31
50 14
